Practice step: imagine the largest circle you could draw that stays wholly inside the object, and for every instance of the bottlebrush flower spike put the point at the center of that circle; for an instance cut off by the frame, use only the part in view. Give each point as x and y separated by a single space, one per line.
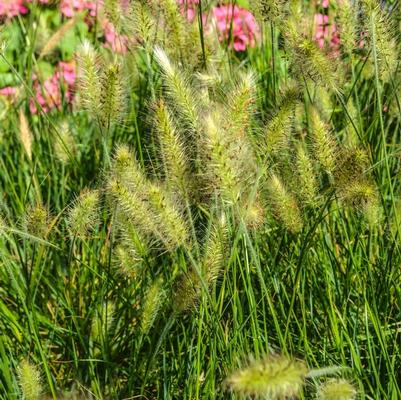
337 389
29 380
273 377
83 215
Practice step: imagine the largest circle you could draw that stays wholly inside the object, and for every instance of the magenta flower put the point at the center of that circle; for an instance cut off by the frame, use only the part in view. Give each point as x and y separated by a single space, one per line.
70 7
114 41
187 8
49 94
8 91
11 8
326 34
237 24
68 72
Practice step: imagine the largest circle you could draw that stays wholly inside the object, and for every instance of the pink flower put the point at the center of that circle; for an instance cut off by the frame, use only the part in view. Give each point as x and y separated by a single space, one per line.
187 8
70 7
49 94
8 91
237 24
68 72
11 8
326 34
114 41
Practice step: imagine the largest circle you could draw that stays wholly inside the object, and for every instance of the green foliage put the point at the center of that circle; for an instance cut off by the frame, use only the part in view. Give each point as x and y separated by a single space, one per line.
244 202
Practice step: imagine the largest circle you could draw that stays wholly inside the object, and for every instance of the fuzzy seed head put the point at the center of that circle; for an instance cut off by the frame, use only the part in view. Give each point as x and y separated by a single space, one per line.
25 134
214 252
172 150
89 82
83 215
171 224
142 22
114 12
136 211
126 261
270 10
240 105
254 214
187 292
223 169
29 380
152 303
37 220
348 25
112 99
323 143
279 128
65 145
337 389
382 39
284 205
178 90
306 176
102 322
309 62
273 377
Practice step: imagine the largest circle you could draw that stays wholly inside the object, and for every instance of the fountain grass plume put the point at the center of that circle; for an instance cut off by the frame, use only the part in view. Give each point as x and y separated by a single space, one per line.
65 145
308 61
336 389
180 94
382 39
308 185
37 220
29 380
222 169
126 261
347 20
84 213
172 150
284 204
241 104
25 134
273 11
324 144
272 377
147 204
142 23
278 129
89 82
151 305
112 99
170 220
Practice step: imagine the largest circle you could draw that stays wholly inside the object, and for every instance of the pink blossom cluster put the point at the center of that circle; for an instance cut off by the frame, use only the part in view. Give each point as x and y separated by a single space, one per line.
237 24
8 91
114 41
48 95
70 7
326 33
11 8
231 21
187 8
